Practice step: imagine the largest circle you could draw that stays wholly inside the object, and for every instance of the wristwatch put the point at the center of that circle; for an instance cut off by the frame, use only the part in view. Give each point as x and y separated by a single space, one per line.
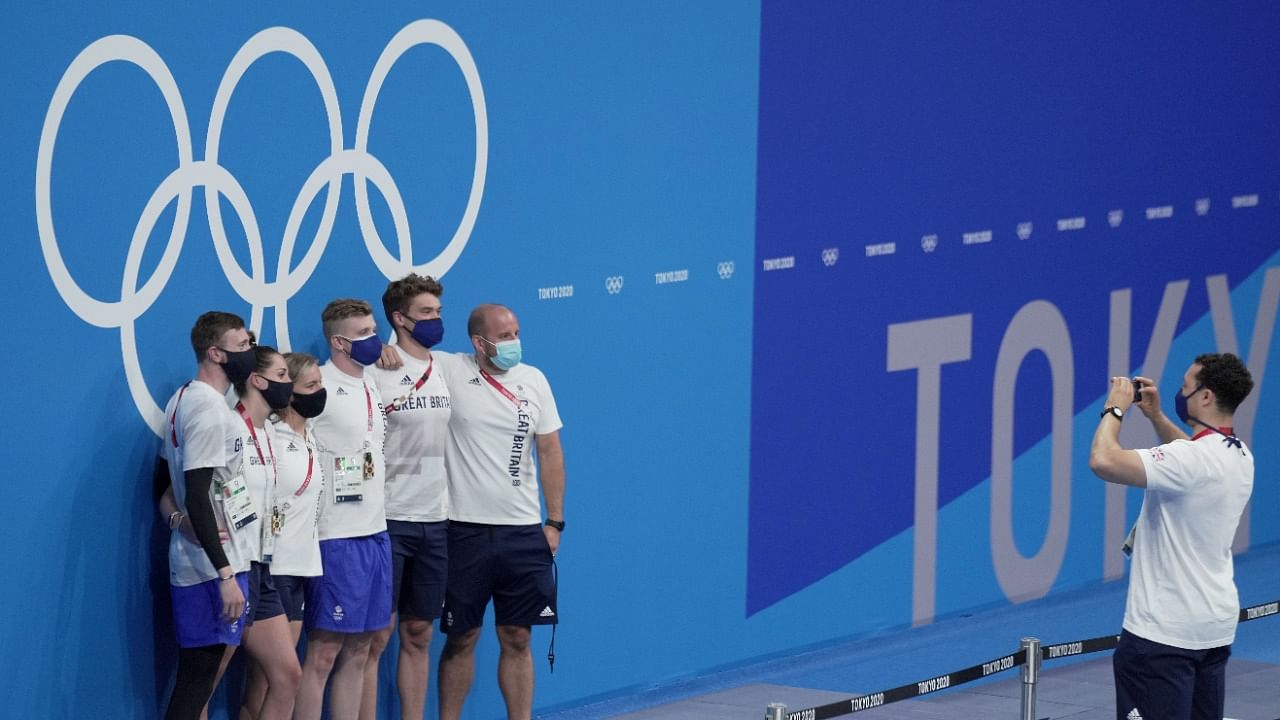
557 524
1114 411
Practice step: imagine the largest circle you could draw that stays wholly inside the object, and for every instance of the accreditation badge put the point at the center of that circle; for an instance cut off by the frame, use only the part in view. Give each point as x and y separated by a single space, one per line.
348 478
237 503
269 532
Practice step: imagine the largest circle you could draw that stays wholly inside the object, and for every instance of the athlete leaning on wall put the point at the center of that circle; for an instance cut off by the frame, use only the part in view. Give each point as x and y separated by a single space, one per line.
418 411
351 599
203 494
298 489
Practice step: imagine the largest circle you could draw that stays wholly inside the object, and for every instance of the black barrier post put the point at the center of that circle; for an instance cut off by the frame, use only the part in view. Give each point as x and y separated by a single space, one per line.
1030 676
775 711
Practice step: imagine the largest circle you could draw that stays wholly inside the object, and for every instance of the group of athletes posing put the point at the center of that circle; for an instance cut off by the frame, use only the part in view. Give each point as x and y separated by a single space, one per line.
389 486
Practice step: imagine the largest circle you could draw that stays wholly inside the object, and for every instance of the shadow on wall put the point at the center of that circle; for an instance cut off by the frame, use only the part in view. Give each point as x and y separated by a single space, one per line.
109 562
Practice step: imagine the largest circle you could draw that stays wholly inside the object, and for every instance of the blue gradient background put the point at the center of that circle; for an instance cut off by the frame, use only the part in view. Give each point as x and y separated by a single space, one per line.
721 434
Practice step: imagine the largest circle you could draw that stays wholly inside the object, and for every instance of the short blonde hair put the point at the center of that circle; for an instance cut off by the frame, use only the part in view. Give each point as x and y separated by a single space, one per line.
341 309
299 363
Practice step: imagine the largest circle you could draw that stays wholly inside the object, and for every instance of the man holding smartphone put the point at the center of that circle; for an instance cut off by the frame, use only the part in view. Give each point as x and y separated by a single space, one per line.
1182 607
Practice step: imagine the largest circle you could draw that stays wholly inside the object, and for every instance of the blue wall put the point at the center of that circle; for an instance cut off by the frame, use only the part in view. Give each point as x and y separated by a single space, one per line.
735 237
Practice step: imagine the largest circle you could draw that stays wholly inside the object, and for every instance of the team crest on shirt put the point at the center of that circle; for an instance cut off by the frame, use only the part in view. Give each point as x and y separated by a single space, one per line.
1157 454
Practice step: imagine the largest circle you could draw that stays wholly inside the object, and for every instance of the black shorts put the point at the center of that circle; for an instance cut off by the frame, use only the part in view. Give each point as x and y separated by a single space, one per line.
293 595
1162 681
419 567
264 600
510 564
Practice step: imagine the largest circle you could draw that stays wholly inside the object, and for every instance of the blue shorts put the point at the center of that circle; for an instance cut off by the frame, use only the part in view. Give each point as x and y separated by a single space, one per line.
1162 681
419 567
510 564
197 614
264 601
292 589
354 593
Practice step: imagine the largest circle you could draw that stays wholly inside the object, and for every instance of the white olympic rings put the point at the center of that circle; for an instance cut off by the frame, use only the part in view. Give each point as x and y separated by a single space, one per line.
218 182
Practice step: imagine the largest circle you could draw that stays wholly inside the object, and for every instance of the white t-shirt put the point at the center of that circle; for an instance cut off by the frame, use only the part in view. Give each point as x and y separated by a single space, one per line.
203 432
351 425
417 432
260 475
492 475
299 490
1181 588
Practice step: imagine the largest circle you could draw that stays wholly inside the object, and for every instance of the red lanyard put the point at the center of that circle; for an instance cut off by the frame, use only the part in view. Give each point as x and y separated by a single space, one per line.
431 362
173 421
310 460
244 414
368 404
1226 432
497 385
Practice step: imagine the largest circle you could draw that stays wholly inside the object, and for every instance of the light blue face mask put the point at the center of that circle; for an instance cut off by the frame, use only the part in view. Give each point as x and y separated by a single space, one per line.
508 353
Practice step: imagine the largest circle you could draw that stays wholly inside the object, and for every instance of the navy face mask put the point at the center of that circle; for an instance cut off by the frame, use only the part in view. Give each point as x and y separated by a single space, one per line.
366 350
277 393
1180 405
309 406
239 365
428 333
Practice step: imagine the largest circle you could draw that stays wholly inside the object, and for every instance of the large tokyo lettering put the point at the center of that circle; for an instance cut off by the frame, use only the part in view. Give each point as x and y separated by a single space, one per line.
927 345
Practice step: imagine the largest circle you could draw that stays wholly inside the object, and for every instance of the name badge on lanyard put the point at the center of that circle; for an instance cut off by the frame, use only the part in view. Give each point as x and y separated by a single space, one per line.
269 532
236 502
349 476
350 472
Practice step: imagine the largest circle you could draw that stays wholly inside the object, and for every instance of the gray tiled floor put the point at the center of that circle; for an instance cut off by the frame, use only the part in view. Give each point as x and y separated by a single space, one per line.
1082 691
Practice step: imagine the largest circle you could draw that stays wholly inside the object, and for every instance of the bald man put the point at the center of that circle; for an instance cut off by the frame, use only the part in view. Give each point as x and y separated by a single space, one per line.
499 546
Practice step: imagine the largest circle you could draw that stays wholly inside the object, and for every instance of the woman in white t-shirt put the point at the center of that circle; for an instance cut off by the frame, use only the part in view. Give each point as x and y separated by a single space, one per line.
298 489
267 390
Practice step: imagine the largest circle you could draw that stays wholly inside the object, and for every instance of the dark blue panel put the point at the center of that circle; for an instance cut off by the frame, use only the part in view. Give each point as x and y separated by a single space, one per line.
884 123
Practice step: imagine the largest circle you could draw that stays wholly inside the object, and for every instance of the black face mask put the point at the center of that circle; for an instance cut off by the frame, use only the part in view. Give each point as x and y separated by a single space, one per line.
239 365
309 406
277 393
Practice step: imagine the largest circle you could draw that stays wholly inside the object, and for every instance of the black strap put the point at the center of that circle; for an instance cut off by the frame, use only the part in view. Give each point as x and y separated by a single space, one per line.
555 590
